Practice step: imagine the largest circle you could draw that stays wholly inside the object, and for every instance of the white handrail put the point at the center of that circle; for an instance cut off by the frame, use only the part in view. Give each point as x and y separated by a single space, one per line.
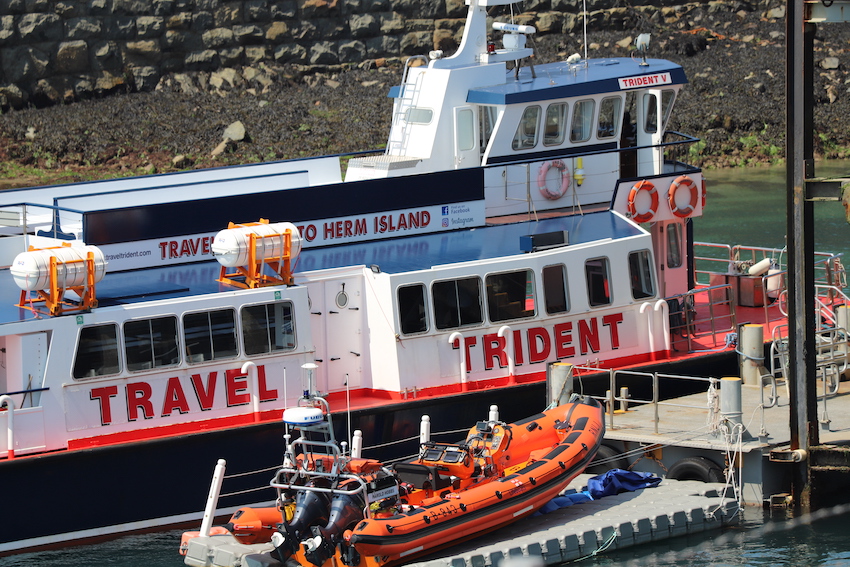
212 498
505 331
10 424
458 336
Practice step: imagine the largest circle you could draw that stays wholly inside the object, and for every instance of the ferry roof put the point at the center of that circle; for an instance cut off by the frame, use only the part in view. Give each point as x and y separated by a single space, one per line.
562 80
397 255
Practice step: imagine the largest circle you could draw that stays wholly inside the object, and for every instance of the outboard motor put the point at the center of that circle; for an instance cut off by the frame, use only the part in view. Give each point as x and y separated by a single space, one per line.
346 509
311 508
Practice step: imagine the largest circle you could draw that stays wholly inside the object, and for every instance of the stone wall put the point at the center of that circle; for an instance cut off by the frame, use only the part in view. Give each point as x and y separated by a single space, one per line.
62 50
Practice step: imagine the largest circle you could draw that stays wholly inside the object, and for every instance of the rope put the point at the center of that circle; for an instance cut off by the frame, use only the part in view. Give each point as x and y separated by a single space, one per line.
605 545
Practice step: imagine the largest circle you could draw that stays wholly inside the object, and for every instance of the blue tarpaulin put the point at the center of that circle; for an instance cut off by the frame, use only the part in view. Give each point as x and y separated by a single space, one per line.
616 481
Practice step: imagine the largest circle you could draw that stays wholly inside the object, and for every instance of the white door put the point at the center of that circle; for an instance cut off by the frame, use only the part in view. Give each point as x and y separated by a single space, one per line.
337 316
465 138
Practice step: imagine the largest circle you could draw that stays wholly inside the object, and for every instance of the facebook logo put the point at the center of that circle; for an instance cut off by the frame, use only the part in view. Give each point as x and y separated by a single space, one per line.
446 210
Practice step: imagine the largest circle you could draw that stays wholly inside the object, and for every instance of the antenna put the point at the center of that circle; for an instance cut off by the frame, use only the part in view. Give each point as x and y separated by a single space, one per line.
584 9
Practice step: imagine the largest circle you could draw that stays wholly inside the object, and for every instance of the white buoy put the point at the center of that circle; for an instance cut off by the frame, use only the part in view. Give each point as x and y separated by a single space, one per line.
761 267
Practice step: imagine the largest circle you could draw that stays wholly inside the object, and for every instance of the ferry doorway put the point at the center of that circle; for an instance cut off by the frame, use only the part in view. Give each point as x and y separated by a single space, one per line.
669 241
336 311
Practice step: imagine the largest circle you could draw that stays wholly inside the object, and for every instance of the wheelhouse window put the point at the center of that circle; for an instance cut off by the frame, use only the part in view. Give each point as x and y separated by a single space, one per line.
556 124
465 129
674 245
526 132
151 343
418 115
609 117
555 293
210 335
597 274
582 121
97 352
510 295
640 274
650 110
267 328
457 303
486 123
411 309
667 99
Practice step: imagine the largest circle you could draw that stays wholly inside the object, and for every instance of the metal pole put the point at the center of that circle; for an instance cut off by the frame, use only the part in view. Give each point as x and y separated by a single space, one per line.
800 165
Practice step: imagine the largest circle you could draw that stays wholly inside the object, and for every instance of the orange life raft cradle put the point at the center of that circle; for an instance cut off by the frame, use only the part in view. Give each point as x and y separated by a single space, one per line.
360 512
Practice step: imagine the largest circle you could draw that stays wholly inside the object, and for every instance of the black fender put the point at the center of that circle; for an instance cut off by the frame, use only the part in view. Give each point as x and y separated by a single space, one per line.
697 468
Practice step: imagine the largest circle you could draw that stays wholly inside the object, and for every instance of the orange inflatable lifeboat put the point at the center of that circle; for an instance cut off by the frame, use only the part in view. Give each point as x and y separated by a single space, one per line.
360 512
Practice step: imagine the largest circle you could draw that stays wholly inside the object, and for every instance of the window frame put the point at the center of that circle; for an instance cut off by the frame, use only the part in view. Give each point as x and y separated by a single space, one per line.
424 319
270 338
90 352
211 336
646 275
565 284
591 287
491 298
457 305
136 364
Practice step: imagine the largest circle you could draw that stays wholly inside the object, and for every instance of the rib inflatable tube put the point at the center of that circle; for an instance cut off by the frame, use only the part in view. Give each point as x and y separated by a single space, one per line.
231 246
31 270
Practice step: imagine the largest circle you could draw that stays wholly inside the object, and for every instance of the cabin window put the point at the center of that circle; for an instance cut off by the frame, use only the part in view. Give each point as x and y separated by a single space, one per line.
674 245
556 124
268 328
465 130
151 343
582 121
97 352
667 98
597 274
650 111
555 289
417 115
457 303
411 309
526 132
640 274
609 117
486 123
210 335
510 295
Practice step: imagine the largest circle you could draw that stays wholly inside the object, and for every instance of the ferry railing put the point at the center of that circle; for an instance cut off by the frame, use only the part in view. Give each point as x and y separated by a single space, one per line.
28 393
715 317
622 384
831 359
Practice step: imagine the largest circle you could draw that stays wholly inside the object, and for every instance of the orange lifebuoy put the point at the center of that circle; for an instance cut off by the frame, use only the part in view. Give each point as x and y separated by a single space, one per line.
683 181
653 207
565 179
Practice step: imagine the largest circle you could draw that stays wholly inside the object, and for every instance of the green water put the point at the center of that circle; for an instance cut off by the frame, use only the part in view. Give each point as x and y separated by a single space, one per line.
747 206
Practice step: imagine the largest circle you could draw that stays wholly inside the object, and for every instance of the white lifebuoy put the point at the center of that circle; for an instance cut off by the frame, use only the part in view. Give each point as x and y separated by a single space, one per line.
683 181
561 190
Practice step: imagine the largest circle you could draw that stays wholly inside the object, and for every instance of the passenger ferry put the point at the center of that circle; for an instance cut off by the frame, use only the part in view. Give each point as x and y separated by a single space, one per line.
517 218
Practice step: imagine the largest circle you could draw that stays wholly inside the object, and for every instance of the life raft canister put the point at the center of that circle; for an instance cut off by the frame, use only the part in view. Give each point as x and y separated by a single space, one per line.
653 206
683 182
561 190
